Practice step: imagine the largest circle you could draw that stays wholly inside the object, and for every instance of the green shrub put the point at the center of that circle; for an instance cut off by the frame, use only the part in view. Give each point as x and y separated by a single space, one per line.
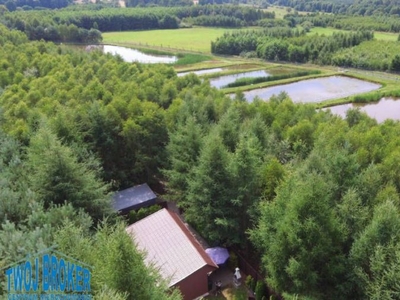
261 290
250 282
233 260
142 213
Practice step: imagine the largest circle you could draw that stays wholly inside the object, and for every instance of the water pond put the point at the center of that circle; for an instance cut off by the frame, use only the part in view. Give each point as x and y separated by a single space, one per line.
201 72
222 81
316 90
133 55
386 108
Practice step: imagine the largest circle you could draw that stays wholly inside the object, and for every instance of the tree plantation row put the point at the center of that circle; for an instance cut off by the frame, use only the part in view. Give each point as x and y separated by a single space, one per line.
316 195
344 49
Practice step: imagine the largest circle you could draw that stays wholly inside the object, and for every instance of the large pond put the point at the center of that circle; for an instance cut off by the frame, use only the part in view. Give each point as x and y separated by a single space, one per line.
133 55
201 72
386 108
222 81
316 90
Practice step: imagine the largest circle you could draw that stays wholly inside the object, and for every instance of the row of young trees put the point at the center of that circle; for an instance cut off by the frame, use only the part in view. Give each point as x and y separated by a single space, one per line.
288 45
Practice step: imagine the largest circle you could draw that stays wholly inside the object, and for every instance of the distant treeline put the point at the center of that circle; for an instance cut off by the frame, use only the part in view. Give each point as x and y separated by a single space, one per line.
361 7
285 44
143 3
376 23
50 25
12 5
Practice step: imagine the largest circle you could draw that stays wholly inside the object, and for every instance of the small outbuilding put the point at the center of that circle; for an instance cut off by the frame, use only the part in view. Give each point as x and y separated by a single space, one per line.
171 247
134 198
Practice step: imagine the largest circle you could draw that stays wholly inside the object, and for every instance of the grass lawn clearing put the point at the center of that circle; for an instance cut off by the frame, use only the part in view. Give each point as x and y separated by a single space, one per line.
189 39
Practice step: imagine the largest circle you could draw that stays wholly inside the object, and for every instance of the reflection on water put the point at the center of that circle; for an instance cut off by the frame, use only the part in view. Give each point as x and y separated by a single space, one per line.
201 72
386 108
133 55
222 81
316 90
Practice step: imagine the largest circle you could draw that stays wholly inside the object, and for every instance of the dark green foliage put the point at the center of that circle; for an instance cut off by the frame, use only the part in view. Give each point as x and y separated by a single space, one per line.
261 290
142 213
57 177
395 65
249 81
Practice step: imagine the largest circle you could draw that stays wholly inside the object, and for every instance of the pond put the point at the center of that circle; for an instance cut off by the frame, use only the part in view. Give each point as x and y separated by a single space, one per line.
222 81
201 72
386 108
316 90
133 55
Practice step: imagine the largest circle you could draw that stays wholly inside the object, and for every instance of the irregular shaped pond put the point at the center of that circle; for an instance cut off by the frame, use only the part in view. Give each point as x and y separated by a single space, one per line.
316 90
386 108
133 55
201 72
222 81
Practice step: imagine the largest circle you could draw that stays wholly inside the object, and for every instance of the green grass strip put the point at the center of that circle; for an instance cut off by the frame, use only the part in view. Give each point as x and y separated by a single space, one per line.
255 80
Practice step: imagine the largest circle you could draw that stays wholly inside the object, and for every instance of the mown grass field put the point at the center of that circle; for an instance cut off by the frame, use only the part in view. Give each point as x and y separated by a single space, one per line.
190 39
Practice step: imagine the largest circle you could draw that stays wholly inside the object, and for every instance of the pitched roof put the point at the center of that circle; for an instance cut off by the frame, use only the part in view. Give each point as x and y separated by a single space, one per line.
169 245
136 196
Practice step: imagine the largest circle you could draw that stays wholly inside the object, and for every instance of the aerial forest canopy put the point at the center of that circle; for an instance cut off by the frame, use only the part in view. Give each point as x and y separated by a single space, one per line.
315 194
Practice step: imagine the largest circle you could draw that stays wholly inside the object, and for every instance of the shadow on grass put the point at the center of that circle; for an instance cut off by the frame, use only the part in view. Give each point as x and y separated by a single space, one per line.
231 293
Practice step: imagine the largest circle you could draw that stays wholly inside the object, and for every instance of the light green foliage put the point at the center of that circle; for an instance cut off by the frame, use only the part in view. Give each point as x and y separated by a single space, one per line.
374 254
117 265
57 177
183 150
301 238
209 196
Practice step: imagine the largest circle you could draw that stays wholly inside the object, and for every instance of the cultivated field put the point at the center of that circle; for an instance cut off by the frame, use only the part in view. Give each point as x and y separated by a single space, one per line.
190 39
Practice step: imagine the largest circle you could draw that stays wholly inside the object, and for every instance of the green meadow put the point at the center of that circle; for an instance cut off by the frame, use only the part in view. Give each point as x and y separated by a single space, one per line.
196 39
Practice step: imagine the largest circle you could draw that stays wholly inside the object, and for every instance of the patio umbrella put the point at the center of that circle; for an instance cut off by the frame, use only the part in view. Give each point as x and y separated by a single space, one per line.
219 255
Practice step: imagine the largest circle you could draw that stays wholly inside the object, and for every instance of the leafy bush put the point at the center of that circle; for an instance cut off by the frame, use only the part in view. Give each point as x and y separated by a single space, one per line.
142 213
261 290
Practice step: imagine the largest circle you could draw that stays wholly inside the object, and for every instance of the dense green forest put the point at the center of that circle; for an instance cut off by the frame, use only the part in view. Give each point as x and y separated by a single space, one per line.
285 44
316 195
83 25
